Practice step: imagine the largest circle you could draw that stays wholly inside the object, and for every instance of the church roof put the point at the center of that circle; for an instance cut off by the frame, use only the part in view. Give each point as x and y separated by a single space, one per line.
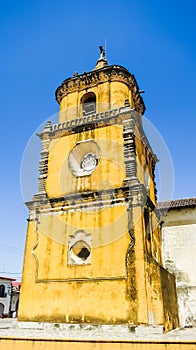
177 203
7 278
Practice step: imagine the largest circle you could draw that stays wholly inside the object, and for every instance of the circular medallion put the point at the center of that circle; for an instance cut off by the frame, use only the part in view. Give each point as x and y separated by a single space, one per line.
89 162
84 158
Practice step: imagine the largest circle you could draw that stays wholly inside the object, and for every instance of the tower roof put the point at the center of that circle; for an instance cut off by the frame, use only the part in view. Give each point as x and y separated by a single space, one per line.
102 73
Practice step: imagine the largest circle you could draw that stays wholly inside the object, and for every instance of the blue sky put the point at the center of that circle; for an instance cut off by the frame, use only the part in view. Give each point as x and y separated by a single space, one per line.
44 42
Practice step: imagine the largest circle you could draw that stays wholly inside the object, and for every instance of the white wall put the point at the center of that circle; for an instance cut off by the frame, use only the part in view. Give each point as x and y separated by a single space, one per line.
6 300
179 257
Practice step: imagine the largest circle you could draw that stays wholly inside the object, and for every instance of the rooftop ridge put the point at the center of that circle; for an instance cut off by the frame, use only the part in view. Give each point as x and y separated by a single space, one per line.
175 203
7 278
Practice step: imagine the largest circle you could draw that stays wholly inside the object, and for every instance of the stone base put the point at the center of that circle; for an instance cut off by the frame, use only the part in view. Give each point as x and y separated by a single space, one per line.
102 328
148 330
49 335
140 330
120 329
58 336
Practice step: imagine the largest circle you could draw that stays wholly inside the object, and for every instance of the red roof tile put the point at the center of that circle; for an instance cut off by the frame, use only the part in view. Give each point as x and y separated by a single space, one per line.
177 203
16 284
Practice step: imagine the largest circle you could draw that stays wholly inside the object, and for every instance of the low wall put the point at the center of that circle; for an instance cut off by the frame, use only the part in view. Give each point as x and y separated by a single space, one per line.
64 344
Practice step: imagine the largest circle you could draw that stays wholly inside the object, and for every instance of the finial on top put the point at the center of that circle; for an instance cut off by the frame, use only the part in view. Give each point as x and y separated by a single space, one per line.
102 51
102 60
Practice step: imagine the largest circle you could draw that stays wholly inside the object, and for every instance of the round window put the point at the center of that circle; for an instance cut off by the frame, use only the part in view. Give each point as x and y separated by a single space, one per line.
81 249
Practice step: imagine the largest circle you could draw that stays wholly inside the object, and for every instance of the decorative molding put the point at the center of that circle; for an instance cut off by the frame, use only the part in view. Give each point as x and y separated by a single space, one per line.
77 200
84 158
89 200
129 150
37 221
43 163
84 241
90 279
126 116
112 116
99 76
153 178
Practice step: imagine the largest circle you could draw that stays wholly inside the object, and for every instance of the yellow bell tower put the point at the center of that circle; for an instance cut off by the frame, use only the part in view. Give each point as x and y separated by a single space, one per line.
93 249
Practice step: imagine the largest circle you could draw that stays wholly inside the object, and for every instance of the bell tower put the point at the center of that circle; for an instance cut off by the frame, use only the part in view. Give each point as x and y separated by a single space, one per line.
93 249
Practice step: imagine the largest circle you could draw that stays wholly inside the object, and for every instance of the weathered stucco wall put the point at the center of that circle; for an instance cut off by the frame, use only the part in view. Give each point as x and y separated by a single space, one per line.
179 247
161 295
109 173
62 292
104 291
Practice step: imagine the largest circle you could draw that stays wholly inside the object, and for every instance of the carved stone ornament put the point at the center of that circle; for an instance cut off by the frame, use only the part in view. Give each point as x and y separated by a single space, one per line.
83 158
89 162
98 76
79 250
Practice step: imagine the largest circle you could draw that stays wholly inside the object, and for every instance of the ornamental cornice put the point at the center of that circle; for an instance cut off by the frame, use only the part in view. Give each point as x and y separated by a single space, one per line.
92 121
123 115
131 195
75 201
105 74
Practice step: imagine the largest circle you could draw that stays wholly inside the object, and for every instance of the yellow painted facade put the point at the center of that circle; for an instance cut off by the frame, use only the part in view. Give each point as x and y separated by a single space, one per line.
72 298
93 249
108 95
109 172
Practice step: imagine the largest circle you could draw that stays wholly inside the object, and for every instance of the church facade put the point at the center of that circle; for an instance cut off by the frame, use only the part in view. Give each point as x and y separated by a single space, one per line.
93 250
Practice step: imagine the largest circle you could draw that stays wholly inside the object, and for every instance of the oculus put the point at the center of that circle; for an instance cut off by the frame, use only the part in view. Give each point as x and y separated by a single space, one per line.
84 158
80 245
